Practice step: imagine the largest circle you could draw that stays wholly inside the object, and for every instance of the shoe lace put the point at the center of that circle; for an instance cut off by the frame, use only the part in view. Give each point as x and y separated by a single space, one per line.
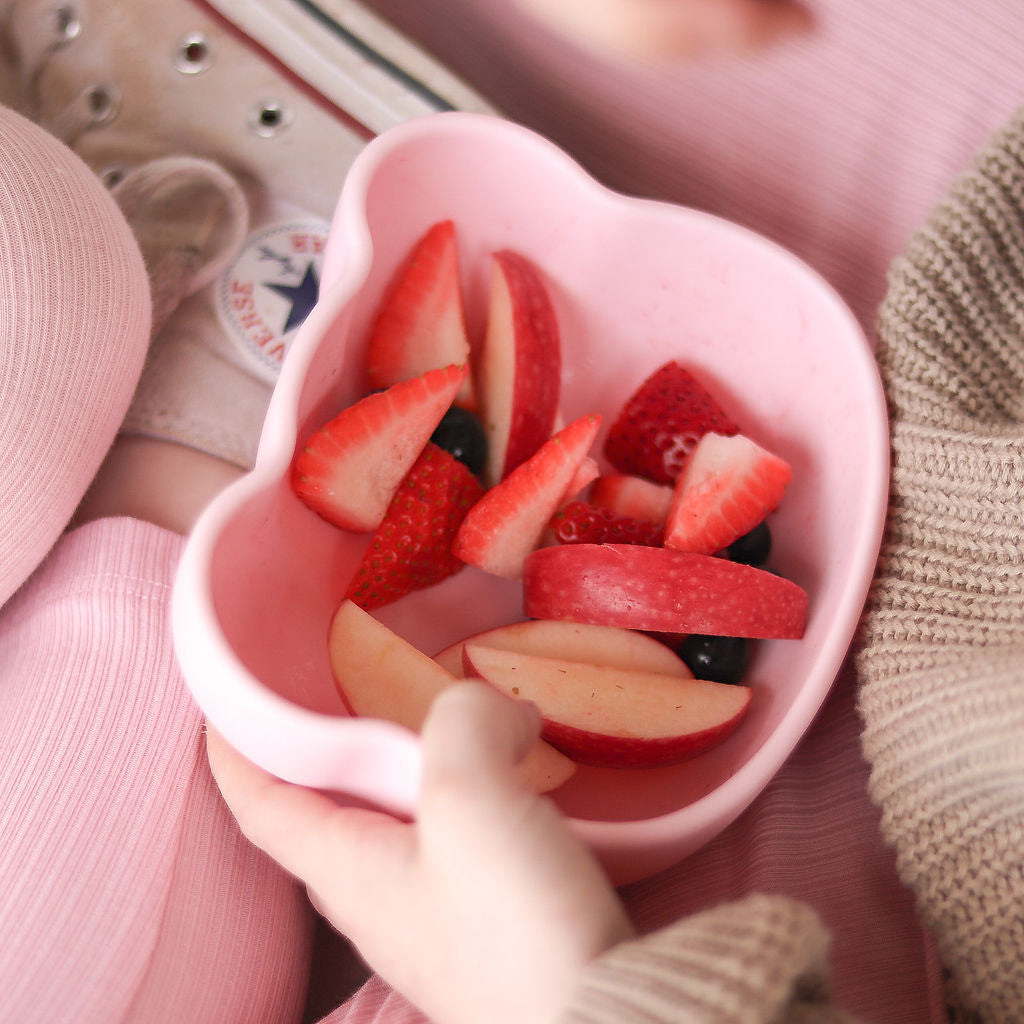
190 218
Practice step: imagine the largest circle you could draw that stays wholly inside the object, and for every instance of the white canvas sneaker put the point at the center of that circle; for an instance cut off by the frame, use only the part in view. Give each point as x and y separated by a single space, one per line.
160 98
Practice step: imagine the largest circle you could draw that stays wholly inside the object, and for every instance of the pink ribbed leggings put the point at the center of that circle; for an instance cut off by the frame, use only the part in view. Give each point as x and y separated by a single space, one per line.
128 894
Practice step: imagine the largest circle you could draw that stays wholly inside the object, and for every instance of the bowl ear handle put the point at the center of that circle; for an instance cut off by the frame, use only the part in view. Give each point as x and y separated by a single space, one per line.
377 763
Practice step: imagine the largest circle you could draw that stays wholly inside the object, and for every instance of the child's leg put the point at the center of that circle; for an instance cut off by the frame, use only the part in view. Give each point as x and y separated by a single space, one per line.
74 328
129 894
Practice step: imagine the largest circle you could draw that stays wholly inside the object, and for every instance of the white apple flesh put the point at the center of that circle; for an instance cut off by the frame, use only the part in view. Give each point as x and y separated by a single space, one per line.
520 366
380 675
610 646
661 590
612 717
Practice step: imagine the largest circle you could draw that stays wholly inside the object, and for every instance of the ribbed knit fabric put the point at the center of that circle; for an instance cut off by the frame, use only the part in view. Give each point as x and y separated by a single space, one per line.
376 1003
943 661
129 896
74 329
757 959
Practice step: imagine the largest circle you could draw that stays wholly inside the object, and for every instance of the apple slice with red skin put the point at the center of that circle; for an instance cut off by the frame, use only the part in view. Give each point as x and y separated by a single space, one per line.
379 674
519 368
661 590
609 646
613 717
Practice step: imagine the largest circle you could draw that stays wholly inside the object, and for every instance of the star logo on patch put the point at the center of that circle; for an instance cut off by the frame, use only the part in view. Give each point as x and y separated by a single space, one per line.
302 297
269 290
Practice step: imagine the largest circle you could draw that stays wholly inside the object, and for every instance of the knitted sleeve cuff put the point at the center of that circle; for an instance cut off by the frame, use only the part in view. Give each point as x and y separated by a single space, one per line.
760 959
942 655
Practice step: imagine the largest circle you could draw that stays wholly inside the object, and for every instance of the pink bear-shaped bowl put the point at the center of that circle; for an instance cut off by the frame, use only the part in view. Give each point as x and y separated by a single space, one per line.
635 283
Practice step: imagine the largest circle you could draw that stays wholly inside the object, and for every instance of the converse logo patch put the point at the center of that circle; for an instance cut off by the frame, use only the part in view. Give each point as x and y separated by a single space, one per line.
269 290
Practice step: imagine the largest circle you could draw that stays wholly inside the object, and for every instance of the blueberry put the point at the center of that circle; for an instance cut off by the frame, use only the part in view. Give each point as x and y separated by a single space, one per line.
752 548
721 659
460 433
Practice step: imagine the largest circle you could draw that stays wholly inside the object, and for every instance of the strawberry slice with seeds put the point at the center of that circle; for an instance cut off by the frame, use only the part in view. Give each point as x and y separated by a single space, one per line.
421 324
584 476
508 522
633 496
727 486
351 467
660 424
412 547
581 522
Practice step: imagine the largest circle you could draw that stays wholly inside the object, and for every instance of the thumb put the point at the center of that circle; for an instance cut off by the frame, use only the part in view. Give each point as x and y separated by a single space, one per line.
472 740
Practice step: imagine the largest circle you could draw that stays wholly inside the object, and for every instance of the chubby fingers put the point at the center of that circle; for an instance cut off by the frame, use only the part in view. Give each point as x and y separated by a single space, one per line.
471 728
356 859
306 832
472 740
666 30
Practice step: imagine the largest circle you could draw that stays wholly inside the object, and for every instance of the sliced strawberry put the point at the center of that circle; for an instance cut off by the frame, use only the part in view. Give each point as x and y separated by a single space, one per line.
421 324
727 486
633 496
587 473
659 426
351 467
581 522
508 522
412 547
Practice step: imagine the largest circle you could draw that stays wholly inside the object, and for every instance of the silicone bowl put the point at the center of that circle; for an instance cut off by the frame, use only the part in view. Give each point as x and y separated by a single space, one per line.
635 283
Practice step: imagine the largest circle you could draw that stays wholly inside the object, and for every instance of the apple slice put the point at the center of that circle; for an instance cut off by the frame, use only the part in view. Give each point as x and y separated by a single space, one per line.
520 366
613 717
380 675
610 646
661 590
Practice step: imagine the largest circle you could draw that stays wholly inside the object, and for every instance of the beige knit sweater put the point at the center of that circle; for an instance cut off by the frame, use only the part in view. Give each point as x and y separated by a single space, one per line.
941 655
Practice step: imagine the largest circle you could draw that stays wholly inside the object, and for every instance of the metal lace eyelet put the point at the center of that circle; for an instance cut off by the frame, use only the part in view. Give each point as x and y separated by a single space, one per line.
193 54
102 102
112 176
269 118
67 23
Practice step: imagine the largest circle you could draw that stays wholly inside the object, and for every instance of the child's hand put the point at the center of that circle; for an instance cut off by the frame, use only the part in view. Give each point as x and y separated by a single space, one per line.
673 29
486 908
